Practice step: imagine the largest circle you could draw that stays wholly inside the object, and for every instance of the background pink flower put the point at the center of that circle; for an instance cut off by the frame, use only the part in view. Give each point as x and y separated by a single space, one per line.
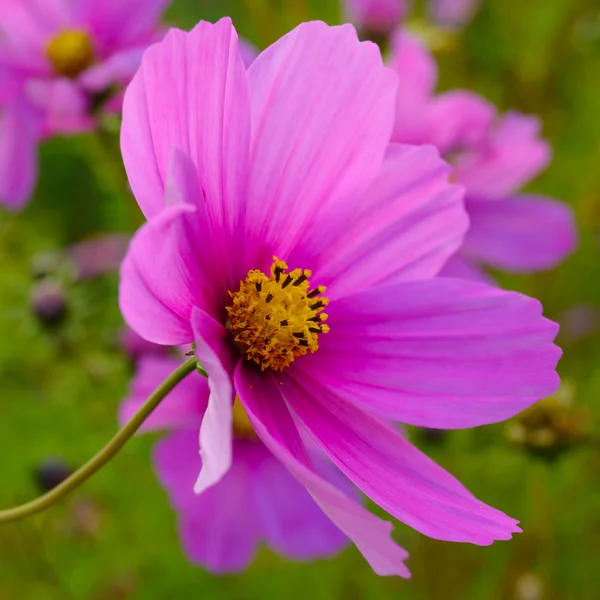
493 156
291 158
382 16
63 56
377 16
257 501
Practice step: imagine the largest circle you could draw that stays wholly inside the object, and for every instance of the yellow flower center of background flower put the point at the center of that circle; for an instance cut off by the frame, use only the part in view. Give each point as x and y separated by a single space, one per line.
70 52
275 319
242 427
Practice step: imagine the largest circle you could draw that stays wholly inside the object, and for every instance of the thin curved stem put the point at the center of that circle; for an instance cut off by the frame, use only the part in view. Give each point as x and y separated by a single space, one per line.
100 459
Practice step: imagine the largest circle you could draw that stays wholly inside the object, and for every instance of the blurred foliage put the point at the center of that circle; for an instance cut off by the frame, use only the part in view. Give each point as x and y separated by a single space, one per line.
61 382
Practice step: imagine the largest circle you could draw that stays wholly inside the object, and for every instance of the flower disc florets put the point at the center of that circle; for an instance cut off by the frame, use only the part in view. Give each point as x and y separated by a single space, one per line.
70 52
275 319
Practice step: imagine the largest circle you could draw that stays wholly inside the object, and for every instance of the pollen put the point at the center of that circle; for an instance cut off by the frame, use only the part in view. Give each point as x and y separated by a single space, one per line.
70 52
274 319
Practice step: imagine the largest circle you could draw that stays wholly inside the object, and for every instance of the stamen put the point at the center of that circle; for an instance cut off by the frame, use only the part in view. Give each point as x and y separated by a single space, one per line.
273 322
70 52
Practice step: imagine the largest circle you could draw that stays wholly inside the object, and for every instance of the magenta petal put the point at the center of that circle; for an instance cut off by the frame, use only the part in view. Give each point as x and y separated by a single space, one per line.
273 423
117 69
190 92
461 267
64 104
513 155
442 353
216 530
156 295
459 120
216 432
322 113
168 270
291 522
182 408
118 24
521 234
392 472
19 135
413 223
417 72
248 51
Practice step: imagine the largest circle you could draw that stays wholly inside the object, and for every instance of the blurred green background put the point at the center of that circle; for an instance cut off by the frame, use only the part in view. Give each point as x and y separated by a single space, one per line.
60 384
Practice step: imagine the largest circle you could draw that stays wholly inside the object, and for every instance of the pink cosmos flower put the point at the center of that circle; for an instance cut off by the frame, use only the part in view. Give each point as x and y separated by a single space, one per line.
67 56
493 157
291 159
256 501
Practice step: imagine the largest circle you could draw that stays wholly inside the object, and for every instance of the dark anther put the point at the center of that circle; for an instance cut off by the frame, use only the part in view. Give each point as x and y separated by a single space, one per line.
314 329
287 282
316 319
300 279
303 343
283 323
298 335
312 293
278 272
317 305
258 286
269 297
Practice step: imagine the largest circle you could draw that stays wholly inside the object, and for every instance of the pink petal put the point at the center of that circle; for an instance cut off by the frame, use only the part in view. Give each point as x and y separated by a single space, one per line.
19 135
461 267
191 92
216 432
392 472
521 234
291 521
322 111
155 294
512 156
184 407
442 353
64 104
417 72
459 120
118 24
167 270
98 255
248 51
413 222
215 528
119 68
272 422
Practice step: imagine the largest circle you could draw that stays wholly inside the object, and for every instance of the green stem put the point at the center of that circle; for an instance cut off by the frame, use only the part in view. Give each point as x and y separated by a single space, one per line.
100 459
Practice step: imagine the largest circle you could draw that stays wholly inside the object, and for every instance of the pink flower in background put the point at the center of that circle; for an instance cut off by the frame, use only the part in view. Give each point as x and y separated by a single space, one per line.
376 16
493 156
382 16
453 13
64 56
256 501
291 159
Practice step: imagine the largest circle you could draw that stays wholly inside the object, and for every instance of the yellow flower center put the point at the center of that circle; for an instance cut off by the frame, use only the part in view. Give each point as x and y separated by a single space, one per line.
242 427
70 52
275 319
